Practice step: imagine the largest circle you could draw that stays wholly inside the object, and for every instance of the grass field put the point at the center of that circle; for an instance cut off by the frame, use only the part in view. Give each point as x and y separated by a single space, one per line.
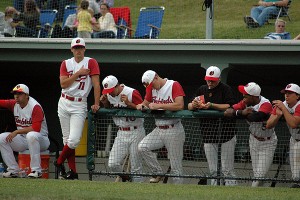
58 189
186 20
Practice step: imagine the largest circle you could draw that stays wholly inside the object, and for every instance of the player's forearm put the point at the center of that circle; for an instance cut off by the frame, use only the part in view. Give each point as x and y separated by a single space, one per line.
272 121
221 107
172 106
66 82
290 119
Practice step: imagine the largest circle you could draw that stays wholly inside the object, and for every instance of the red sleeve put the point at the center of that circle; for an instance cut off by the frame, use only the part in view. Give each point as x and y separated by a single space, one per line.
63 69
239 106
94 67
273 111
136 97
297 111
177 90
37 118
9 104
148 95
266 108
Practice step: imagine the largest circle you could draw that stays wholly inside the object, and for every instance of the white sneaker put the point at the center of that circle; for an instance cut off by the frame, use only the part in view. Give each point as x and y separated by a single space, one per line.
10 175
35 174
156 179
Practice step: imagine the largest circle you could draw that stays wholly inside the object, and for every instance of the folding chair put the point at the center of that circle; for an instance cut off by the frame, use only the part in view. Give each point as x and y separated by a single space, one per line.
47 18
149 22
69 9
122 19
283 12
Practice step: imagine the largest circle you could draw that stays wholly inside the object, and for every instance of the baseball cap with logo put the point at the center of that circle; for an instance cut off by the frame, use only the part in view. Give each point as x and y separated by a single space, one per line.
212 74
251 88
109 84
148 77
77 42
22 88
291 88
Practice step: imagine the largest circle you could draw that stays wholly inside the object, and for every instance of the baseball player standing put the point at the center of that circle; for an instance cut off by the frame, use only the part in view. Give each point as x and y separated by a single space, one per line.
31 133
77 76
131 129
218 96
163 94
290 110
256 110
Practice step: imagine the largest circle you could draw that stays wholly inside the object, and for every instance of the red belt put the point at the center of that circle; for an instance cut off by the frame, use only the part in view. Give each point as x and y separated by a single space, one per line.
261 138
127 128
166 126
71 98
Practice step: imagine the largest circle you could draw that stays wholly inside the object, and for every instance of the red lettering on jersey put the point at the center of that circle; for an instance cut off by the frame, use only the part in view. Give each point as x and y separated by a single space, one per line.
162 101
23 122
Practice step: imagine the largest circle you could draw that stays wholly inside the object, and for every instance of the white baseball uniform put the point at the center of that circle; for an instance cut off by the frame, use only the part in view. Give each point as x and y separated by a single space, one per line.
72 105
131 132
168 133
262 141
36 141
294 141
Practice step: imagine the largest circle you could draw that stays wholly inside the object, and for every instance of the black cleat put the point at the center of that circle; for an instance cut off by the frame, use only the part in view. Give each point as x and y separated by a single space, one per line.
71 175
61 170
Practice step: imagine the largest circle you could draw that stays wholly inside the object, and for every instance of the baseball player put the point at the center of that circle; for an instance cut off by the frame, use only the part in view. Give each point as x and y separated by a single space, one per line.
77 76
131 129
166 95
31 133
256 110
290 110
218 96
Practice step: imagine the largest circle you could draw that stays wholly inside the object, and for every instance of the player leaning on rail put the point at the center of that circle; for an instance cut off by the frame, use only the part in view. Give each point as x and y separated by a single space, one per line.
256 110
131 129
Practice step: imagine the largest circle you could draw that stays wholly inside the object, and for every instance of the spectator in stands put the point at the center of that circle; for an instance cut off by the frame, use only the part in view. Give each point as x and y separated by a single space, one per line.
106 28
30 18
59 5
163 94
85 21
10 25
256 110
110 3
290 110
260 14
279 33
2 24
95 7
216 95
130 132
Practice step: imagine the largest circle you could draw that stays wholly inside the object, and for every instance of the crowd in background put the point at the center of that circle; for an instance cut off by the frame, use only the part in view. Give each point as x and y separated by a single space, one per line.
95 20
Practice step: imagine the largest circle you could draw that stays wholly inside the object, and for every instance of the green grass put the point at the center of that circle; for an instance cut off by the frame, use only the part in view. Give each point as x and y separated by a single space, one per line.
58 189
186 20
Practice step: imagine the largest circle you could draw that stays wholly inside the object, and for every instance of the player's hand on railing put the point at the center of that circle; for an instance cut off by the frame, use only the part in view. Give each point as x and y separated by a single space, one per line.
95 108
247 111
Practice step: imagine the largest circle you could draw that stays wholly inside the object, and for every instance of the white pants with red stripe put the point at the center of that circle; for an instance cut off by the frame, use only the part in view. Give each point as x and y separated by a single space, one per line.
227 159
72 115
125 143
173 139
295 159
262 153
34 141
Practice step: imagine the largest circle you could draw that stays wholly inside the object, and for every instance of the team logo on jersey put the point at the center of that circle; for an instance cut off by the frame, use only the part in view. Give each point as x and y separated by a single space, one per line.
105 85
211 73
